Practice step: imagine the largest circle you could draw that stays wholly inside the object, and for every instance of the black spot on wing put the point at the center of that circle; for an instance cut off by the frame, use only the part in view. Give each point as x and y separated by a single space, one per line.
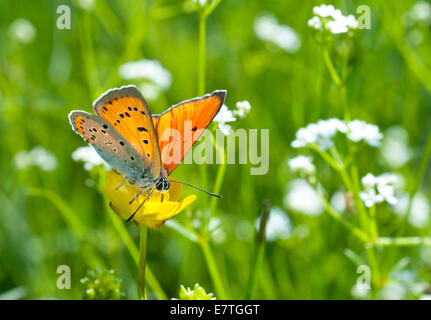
142 129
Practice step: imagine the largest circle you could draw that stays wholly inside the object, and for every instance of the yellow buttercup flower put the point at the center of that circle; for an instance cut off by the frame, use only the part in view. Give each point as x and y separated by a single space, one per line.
155 211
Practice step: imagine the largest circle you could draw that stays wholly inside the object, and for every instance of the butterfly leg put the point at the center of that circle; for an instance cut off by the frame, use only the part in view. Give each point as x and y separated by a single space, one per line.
149 194
121 183
140 192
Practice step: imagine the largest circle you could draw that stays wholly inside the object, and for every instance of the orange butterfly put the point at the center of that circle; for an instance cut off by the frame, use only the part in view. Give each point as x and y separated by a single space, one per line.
133 142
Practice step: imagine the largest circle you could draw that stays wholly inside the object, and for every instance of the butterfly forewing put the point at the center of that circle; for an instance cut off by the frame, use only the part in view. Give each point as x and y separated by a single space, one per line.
114 149
126 111
196 113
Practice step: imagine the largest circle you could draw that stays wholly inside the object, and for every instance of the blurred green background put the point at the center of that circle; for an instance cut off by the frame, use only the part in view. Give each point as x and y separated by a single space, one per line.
53 213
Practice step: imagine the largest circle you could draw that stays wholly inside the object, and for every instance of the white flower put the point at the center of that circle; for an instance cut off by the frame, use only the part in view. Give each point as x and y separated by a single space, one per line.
225 128
387 192
358 130
351 22
242 109
369 180
337 26
90 158
324 11
323 131
378 189
420 12
315 23
150 91
146 69
86 4
38 157
334 20
303 138
302 165
303 198
217 232
360 291
338 201
22 30
201 2
267 28
222 118
370 197
320 133
393 291
420 212
395 149
419 216
278 225
224 115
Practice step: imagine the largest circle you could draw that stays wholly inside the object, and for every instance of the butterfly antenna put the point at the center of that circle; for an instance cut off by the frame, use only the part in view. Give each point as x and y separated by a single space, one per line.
149 194
187 184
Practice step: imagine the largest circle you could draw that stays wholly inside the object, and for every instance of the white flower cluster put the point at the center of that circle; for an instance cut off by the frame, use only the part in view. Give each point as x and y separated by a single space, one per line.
226 116
302 165
267 28
331 19
37 157
378 189
395 150
302 197
22 31
90 158
158 78
242 109
419 215
322 132
420 13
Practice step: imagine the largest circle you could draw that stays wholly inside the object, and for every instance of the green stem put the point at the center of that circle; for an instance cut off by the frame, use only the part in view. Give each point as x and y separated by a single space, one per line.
374 266
121 230
152 281
202 49
403 241
420 174
331 67
220 176
142 263
373 223
363 236
259 252
212 267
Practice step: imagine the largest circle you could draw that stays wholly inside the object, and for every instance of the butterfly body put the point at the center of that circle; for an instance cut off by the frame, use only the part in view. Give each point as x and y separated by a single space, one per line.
129 138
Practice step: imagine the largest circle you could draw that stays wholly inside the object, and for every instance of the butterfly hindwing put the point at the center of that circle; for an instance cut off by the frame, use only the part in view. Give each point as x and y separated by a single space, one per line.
126 110
108 143
196 113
